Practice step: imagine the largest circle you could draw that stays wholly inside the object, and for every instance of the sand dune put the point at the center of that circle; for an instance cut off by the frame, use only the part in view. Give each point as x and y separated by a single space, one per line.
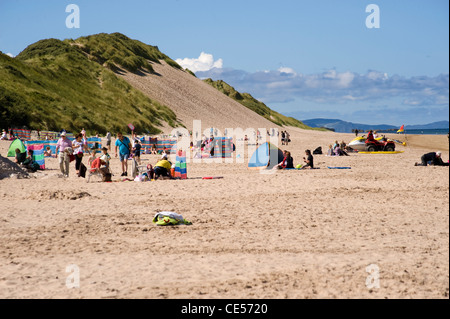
298 234
192 99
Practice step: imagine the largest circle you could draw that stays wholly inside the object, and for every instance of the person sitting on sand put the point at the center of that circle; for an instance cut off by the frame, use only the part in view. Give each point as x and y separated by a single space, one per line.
288 161
102 163
20 157
29 163
339 152
330 150
309 160
433 158
154 149
163 167
105 156
48 152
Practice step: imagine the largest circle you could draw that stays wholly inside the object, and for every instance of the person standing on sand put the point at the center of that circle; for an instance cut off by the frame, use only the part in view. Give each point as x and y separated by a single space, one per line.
64 145
124 145
79 146
108 140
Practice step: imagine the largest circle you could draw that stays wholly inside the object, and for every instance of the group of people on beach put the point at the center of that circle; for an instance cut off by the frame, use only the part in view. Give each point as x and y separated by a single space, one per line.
126 149
68 151
285 138
288 161
4 136
338 149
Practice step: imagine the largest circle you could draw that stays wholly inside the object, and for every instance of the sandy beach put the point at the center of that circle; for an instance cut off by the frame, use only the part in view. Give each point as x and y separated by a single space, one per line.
293 234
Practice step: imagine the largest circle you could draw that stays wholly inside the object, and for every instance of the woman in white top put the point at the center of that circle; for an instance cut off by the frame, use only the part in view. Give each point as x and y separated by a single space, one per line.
79 146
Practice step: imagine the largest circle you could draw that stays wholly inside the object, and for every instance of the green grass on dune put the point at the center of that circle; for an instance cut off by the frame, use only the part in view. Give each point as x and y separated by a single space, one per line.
54 84
257 106
117 49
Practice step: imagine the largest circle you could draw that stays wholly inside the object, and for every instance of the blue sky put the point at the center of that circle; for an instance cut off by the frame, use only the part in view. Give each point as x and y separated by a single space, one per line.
303 58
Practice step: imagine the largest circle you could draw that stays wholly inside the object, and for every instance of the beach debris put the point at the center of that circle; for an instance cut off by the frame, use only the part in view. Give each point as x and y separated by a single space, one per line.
58 195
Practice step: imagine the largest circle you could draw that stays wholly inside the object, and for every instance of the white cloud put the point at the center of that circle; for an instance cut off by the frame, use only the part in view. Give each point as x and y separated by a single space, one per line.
333 87
204 62
287 71
10 54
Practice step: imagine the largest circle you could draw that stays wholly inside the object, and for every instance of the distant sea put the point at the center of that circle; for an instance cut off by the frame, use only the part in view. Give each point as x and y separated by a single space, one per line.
421 132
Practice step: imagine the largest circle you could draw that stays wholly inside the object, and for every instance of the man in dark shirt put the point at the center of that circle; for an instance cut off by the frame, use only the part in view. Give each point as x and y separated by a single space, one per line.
309 160
432 158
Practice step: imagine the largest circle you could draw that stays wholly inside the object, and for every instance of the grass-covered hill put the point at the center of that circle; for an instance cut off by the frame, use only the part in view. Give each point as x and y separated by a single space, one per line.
70 84
257 106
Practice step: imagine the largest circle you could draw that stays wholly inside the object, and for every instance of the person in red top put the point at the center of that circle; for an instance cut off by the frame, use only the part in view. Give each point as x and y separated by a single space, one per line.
370 136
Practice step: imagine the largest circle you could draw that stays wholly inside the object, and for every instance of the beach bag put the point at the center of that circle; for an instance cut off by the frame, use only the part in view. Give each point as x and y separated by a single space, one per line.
107 177
318 151
82 172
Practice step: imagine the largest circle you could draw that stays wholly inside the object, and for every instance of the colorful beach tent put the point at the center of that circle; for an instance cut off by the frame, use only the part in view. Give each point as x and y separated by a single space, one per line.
17 143
266 156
